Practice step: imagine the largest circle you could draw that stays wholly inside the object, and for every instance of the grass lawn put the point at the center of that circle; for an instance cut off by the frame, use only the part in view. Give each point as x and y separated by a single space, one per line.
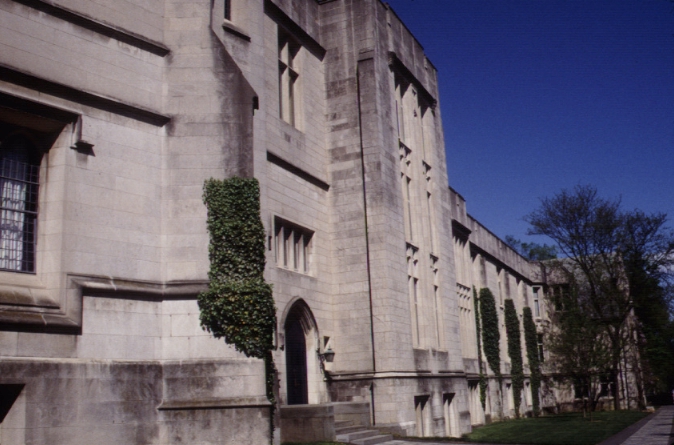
561 429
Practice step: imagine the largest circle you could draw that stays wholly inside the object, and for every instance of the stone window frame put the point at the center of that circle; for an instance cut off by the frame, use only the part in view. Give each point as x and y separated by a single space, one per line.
39 126
414 291
293 246
422 409
450 415
406 178
289 60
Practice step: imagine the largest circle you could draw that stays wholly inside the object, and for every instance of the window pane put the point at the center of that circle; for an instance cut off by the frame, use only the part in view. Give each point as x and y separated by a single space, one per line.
286 246
18 205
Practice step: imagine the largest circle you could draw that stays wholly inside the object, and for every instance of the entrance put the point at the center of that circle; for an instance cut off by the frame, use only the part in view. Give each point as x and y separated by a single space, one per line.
296 359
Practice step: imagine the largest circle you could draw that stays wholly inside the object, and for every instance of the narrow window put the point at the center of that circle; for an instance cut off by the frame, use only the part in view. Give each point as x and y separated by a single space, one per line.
305 253
409 206
19 173
422 410
279 245
287 236
415 290
537 308
228 10
405 177
413 285
288 48
541 357
429 205
449 411
297 250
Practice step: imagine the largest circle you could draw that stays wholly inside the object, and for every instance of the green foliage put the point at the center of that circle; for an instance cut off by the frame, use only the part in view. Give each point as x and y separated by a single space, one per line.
622 262
478 329
515 352
647 254
588 231
238 305
532 251
531 341
490 332
581 352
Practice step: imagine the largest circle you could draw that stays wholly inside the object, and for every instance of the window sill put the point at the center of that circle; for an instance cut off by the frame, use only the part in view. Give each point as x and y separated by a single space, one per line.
24 289
235 30
294 272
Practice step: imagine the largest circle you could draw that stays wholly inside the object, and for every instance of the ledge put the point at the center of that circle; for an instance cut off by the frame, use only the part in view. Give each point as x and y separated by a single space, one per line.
228 403
277 160
26 296
31 309
347 376
95 284
98 27
235 30
12 75
37 322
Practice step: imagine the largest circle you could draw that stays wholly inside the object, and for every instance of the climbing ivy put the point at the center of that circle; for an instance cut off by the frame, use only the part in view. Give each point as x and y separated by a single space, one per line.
238 305
530 339
478 329
515 352
490 332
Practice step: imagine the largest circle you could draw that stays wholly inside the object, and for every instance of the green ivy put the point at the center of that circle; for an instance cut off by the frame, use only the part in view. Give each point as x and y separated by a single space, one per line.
491 336
238 305
515 352
531 341
478 329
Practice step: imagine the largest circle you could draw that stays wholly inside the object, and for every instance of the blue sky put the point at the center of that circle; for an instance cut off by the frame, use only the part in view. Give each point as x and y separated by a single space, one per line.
537 96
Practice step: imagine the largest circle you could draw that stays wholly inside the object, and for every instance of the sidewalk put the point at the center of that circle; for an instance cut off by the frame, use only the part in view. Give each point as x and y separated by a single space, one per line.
655 429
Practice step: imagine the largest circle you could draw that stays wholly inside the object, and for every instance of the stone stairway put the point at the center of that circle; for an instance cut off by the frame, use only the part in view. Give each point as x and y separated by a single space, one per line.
349 432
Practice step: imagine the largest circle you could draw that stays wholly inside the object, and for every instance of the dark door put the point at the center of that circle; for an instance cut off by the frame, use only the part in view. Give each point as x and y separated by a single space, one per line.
296 362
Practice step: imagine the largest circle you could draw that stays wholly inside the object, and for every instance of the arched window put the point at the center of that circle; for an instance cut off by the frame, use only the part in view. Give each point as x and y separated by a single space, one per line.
19 175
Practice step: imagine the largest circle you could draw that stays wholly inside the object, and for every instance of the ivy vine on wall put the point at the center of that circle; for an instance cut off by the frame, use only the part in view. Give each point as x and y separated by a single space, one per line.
491 336
478 329
238 305
531 340
515 352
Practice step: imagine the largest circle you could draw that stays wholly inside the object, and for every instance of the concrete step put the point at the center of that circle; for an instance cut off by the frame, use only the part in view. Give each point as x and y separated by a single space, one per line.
381 438
362 434
343 423
348 429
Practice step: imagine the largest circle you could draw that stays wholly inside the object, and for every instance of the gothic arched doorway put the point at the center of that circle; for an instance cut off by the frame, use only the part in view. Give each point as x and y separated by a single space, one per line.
296 359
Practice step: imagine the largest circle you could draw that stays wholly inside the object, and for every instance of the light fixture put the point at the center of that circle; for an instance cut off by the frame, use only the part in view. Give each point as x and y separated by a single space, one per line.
328 355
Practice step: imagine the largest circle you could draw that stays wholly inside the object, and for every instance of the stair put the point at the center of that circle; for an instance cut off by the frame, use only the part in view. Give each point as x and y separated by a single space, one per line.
348 432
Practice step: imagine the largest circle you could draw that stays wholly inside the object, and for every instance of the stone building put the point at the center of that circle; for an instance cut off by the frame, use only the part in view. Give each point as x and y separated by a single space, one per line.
112 116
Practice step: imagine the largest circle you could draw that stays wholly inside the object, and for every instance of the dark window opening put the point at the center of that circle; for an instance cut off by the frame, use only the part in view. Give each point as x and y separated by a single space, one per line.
228 9
19 184
8 395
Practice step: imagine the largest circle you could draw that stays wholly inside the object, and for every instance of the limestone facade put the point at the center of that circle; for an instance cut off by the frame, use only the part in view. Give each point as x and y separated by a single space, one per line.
128 107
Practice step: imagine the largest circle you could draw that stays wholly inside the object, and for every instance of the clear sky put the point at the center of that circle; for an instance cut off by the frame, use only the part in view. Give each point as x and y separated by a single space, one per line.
541 95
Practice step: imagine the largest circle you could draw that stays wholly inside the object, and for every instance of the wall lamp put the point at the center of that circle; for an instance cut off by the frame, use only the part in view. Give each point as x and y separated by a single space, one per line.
327 356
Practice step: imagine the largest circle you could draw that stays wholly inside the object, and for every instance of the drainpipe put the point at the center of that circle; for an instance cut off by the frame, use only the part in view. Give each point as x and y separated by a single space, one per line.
363 57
